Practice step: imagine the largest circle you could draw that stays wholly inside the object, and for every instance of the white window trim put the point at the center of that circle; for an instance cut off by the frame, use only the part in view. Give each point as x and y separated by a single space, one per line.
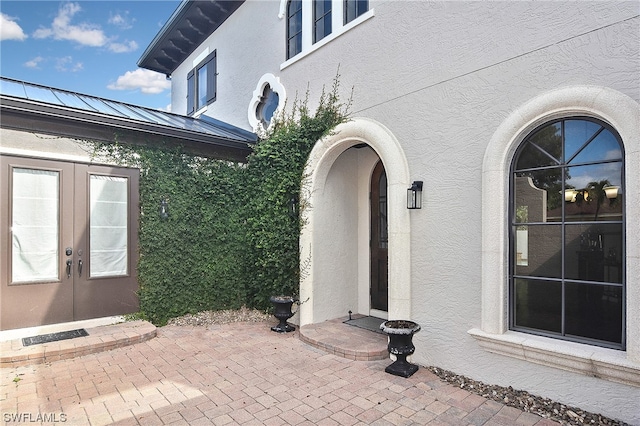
337 27
623 114
276 86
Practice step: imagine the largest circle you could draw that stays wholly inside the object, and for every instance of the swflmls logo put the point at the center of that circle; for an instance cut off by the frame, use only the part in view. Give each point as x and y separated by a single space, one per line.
34 417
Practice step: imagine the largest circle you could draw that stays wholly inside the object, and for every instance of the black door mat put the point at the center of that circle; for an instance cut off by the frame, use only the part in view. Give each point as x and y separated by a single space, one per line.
54 337
368 323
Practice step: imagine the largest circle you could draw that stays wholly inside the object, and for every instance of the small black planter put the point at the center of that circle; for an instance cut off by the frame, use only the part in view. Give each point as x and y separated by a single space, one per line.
401 345
283 312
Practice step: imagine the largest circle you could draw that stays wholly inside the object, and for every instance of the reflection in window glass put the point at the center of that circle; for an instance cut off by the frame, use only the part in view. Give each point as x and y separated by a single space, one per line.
294 28
321 19
567 227
267 106
538 305
594 311
383 231
354 8
202 86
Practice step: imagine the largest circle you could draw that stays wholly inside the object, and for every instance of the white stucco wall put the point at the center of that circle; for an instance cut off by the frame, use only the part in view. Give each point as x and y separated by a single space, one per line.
13 142
443 77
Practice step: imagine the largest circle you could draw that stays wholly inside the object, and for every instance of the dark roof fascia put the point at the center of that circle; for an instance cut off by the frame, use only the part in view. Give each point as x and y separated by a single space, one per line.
33 116
172 45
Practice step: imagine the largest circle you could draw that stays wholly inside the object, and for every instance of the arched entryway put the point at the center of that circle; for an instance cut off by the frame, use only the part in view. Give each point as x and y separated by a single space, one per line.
335 240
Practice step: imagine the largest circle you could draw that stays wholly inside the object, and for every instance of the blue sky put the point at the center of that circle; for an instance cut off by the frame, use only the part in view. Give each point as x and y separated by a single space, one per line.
90 47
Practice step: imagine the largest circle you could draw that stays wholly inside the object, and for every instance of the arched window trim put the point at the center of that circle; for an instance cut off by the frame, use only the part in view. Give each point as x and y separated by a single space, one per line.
252 112
623 114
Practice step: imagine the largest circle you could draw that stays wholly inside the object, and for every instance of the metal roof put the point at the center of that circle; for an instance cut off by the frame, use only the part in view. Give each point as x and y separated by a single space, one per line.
27 106
191 23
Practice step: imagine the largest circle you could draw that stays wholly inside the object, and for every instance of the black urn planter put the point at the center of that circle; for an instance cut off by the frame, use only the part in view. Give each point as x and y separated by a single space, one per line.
400 334
282 305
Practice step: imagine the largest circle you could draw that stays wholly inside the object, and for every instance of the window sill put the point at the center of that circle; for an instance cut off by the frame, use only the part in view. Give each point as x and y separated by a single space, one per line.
607 364
360 19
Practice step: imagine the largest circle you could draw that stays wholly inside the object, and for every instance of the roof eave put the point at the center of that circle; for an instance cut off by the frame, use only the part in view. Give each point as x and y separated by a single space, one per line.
179 37
36 117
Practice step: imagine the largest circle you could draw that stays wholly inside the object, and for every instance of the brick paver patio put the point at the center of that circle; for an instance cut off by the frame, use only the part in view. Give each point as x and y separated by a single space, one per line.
236 374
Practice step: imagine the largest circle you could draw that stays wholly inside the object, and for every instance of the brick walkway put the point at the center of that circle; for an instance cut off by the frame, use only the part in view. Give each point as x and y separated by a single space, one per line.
240 374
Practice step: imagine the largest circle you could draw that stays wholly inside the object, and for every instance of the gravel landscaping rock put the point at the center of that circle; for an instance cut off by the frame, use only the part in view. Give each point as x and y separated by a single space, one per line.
522 400
221 317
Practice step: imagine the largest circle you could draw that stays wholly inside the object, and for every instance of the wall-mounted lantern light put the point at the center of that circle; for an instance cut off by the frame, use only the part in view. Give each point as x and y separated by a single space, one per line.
294 206
414 195
163 210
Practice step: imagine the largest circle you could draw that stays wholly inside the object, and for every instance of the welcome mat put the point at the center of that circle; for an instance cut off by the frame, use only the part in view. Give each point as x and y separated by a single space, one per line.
54 337
368 323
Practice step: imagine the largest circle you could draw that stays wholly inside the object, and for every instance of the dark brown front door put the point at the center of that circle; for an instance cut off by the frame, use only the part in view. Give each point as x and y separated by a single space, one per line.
69 241
379 239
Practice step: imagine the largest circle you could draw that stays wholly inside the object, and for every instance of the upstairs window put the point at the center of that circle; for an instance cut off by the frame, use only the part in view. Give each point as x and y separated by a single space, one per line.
311 24
321 19
567 244
294 28
201 84
354 8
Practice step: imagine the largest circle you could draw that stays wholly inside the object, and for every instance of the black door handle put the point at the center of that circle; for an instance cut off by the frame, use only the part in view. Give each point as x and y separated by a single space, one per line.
80 267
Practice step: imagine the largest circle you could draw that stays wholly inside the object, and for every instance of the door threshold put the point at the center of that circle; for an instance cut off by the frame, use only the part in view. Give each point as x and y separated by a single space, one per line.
379 314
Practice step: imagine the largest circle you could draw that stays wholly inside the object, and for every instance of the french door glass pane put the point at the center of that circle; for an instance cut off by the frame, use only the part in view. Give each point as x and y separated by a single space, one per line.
108 226
35 225
538 305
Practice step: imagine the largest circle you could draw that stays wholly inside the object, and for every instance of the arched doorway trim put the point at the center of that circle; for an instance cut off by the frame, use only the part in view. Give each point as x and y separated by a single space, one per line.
323 156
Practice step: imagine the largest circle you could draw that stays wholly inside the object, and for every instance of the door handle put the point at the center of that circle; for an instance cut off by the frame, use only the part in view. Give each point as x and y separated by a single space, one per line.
69 263
80 267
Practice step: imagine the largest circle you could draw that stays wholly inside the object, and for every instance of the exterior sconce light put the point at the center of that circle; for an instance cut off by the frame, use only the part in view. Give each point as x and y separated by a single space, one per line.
414 195
163 210
611 191
294 206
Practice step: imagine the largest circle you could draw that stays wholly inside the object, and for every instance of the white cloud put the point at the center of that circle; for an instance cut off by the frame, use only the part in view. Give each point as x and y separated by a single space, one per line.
126 47
148 82
122 21
9 29
85 34
34 63
62 28
66 64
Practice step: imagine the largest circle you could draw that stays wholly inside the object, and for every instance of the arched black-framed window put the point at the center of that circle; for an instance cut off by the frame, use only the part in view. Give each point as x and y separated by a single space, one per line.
567 236
294 28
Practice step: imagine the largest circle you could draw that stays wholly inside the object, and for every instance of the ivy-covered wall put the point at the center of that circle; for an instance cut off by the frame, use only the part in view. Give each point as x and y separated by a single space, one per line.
230 239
